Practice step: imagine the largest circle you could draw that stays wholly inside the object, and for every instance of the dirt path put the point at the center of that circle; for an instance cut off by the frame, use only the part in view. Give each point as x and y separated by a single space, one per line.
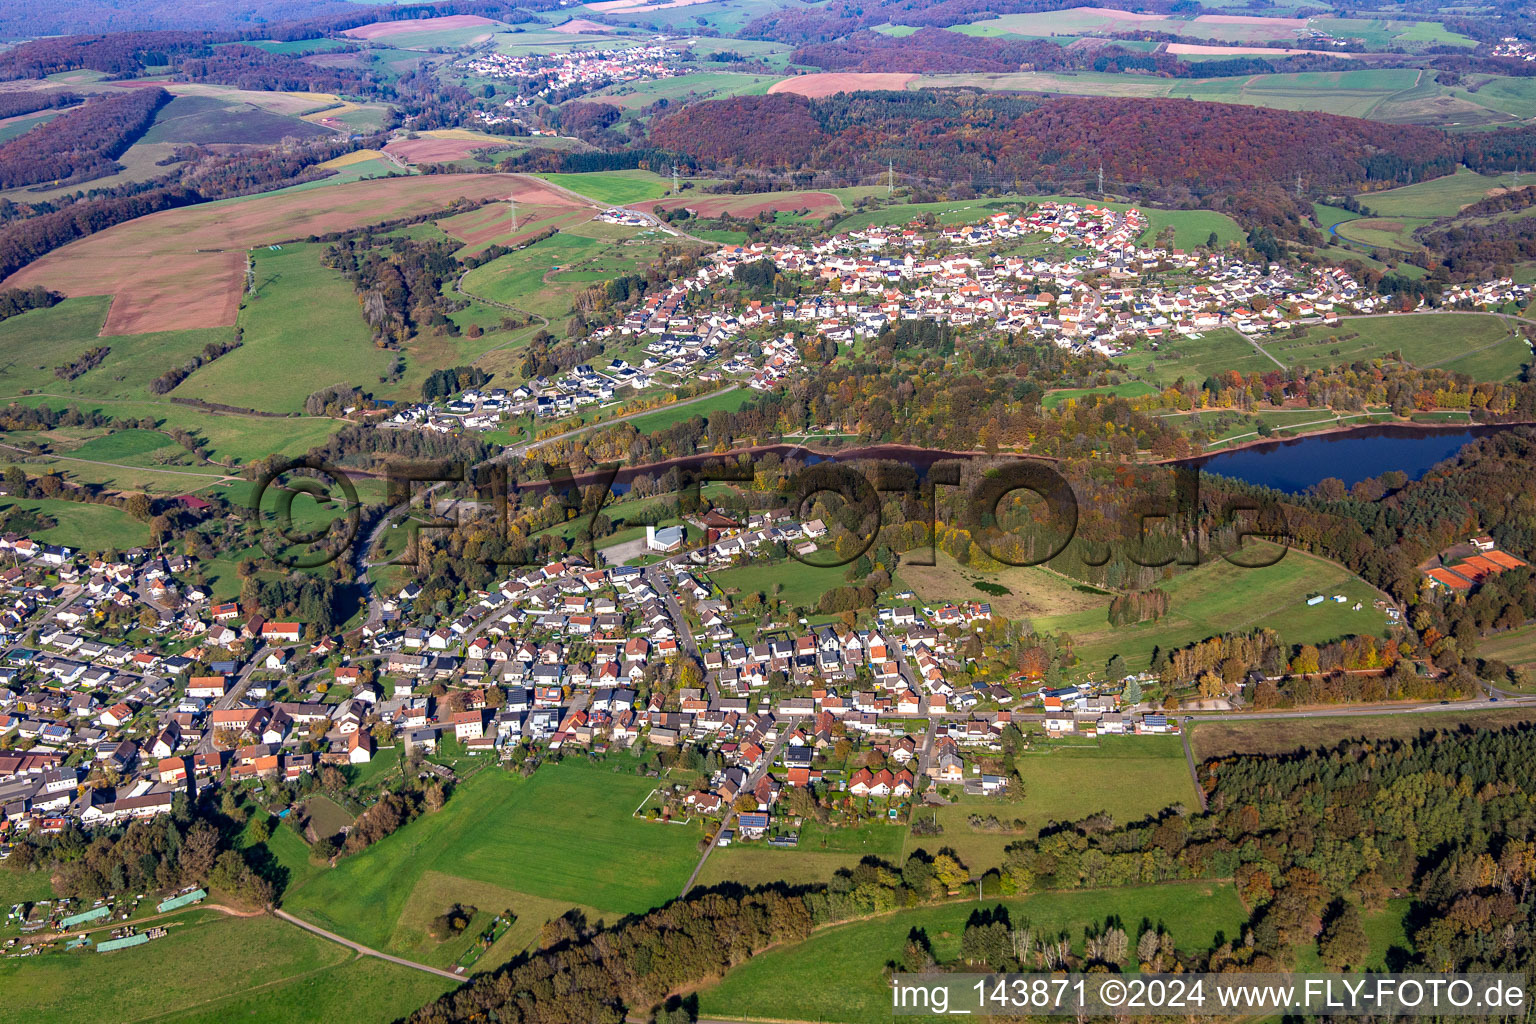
364 950
112 925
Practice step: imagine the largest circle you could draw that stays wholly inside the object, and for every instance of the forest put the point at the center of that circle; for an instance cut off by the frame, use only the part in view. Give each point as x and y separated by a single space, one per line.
936 51
14 104
80 144
1195 147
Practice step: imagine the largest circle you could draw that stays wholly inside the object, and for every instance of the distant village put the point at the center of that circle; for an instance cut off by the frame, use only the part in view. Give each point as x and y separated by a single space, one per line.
1103 293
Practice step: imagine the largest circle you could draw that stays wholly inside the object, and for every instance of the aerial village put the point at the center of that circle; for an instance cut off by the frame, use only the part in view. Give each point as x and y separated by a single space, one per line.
95 728
1085 284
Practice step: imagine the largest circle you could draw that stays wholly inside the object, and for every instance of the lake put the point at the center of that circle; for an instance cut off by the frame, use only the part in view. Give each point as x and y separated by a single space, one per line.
1352 456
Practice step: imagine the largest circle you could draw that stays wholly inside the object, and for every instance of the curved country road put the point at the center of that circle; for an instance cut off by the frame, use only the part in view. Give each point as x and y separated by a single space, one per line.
364 950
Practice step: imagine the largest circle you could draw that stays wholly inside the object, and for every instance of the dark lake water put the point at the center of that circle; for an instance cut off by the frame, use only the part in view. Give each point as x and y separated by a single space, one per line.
1352 456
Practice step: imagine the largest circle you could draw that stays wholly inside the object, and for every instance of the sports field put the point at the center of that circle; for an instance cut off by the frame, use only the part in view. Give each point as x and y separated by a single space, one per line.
567 834
613 188
838 974
666 416
1220 597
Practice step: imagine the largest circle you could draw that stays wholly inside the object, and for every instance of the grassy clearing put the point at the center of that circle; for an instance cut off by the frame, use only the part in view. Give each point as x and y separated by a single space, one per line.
1219 738
302 332
1130 777
1032 590
838 974
1129 389
1220 597
1197 358
564 834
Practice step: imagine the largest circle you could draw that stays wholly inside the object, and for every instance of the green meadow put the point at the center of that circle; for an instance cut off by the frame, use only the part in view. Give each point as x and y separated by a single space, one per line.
1219 597
1128 777
248 969
566 834
616 188
302 331
1480 345
838 974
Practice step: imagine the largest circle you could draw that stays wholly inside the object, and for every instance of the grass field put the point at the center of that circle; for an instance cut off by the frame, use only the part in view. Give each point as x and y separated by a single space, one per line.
1516 647
1220 597
302 332
82 526
800 584
208 120
36 342
1197 358
436 892
666 416
837 975
249 969
1032 590
1482 346
23 886
1130 777
1218 738
1437 197
1129 389
566 834
633 97
615 188
752 864
1391 95
1394 234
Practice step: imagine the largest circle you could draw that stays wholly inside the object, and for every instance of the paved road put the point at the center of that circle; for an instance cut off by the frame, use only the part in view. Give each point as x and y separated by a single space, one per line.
364 950
788 726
